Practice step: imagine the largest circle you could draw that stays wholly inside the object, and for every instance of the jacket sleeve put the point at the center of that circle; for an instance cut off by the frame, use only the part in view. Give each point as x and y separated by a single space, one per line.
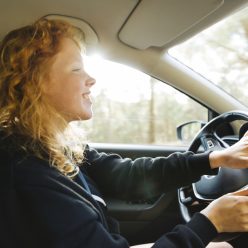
198 232
60 220
145 177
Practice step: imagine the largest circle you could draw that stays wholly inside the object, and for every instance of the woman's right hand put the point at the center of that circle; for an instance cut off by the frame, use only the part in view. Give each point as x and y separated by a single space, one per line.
229 213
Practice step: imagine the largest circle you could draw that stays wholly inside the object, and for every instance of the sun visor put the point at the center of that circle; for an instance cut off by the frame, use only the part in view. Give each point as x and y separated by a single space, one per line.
158 22
91 38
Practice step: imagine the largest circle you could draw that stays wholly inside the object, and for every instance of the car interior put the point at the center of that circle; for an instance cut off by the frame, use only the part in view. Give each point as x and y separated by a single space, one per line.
139 34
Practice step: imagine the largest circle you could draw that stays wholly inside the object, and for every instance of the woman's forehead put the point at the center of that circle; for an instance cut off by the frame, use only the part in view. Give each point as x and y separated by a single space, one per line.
69 51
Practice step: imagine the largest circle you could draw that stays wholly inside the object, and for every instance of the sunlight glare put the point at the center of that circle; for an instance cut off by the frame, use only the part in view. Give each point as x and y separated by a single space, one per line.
117 80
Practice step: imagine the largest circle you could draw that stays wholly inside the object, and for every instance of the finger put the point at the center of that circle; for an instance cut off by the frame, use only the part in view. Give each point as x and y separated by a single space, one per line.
246 133
241 192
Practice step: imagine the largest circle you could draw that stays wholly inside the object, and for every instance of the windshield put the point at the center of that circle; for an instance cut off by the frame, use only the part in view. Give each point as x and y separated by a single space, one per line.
220 54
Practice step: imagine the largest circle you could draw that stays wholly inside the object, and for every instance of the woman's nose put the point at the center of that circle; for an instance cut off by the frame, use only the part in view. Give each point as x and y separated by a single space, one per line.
90 81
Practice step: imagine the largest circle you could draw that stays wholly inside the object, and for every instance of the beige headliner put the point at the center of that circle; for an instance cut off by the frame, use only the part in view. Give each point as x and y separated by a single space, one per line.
108 17
151 24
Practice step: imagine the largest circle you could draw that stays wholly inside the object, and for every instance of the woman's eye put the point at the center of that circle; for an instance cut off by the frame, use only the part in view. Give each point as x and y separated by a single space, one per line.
76 69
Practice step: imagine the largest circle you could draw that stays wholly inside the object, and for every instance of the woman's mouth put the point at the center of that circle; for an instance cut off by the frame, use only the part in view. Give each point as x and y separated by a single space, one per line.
86 96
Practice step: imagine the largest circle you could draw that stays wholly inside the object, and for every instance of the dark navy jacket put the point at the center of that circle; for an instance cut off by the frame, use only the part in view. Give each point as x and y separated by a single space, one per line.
40 207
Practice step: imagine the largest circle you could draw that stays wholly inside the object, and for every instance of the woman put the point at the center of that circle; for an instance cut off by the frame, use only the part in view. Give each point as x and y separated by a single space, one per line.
51 181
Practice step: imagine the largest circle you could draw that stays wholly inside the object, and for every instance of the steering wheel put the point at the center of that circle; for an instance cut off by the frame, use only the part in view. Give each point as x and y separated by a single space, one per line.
193 198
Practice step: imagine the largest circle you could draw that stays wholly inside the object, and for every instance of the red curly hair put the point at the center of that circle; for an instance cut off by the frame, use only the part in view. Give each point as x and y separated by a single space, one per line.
25 56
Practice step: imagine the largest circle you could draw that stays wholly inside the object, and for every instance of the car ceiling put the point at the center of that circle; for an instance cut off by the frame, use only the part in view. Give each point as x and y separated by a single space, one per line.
135 32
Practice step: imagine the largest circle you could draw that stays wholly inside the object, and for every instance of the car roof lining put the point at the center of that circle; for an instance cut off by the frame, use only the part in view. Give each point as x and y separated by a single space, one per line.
148 25
138 31
91 38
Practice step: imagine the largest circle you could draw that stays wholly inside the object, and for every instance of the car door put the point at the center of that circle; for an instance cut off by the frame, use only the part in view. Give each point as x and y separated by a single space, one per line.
143 221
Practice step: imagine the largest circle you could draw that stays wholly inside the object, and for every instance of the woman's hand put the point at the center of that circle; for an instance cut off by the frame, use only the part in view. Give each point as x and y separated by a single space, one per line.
229 213
235 156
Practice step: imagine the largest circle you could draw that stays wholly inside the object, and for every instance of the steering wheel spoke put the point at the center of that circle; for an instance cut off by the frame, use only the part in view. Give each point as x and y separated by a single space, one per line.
210 143
222 143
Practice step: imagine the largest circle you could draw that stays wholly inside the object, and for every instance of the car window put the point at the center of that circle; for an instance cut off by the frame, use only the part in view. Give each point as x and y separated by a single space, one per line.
220 54
131 107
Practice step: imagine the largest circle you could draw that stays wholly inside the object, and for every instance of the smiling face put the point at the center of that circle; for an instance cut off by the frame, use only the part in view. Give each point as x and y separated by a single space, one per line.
68 85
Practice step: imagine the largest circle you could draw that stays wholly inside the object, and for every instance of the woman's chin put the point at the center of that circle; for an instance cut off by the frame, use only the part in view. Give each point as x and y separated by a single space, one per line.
85 116
79 117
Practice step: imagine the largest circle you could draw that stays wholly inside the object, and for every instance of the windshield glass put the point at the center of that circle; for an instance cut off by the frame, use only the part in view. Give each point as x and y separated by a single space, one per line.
220 54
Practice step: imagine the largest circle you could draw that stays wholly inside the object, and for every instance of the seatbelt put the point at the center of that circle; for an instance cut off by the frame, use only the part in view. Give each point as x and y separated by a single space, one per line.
85 184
